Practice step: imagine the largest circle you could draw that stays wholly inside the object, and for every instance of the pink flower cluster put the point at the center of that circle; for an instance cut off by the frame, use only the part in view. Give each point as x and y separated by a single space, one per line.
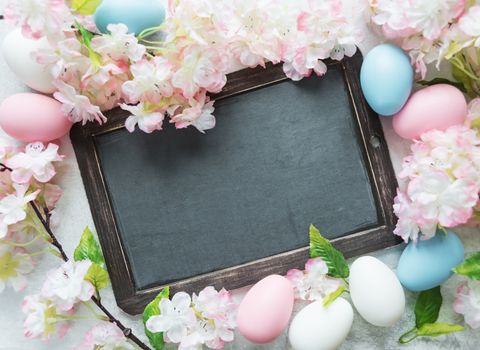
31 169
467 302
442 181
432 30
48 313
106 336
202 41
205 319
313 283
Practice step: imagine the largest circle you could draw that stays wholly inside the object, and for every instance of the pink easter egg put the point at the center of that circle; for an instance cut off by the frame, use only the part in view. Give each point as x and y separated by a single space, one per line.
266 309
32 117
435 107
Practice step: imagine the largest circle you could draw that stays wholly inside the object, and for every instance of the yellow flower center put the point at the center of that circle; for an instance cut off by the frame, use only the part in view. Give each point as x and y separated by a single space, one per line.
8 266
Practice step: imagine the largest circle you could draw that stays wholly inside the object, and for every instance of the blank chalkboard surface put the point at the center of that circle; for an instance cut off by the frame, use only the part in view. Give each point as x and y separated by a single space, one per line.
283 155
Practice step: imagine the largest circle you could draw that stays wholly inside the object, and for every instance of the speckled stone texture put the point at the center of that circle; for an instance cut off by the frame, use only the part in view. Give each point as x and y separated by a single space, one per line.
75 215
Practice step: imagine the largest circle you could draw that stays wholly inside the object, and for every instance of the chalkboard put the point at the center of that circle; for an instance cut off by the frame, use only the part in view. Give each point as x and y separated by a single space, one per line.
228 207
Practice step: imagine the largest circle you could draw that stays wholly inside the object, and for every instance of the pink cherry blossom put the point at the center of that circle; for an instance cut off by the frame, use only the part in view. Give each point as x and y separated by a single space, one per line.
66 286
147 120
176 317
313 283
199 113
13 207
200 68
106 336
15 265
41 319
77 107
402 18
151 81
118 44
467 302
218 310
39 17
35 162
470 24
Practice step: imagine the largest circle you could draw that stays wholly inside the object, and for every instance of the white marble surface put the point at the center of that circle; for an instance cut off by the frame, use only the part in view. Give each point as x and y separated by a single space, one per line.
75 215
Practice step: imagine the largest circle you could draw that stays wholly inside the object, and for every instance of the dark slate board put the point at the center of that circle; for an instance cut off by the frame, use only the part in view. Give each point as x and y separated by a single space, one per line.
280 158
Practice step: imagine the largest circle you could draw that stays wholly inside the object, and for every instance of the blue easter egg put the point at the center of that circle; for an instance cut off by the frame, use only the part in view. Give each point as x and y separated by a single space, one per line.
429 263
386 78
137 15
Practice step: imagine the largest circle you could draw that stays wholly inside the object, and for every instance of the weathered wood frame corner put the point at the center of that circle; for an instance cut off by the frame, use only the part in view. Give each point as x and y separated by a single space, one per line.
376 156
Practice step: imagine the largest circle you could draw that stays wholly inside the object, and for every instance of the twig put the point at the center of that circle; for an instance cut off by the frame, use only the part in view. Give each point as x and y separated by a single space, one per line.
126 331
46 226
54 241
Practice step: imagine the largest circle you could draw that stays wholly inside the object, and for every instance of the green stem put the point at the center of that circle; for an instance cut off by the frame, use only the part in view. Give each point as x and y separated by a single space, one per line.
91 309
39 253
20 245
74 317
407 337
149 31
459 64
345 281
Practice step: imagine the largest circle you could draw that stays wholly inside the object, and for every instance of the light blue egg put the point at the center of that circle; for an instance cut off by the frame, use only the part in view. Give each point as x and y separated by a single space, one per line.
386 78
429 263
137 15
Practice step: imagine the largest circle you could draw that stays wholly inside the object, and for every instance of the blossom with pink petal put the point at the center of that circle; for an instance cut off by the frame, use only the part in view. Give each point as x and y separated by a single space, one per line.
42 319
200 68
105 336
147 120
198 113
175 319
13 207
118 44
77 107
151 81
35 162
467 302
313 283
39 17
66 286
15 265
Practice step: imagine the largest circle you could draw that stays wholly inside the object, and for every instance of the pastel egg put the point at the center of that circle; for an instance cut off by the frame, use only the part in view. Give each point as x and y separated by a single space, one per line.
266 309
435 107
429 263
17 51
376 292
32 117
137 15
318 328
386 78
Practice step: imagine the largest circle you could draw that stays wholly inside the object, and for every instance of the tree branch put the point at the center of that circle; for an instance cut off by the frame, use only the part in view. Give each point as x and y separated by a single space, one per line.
54 241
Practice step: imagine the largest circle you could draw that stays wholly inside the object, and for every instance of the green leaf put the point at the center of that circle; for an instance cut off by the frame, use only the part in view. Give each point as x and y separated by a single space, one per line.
463 78
86 39
330 298
97 276
436 329
85 7
321 247
436 81
152 309
428 306
89 249
470 267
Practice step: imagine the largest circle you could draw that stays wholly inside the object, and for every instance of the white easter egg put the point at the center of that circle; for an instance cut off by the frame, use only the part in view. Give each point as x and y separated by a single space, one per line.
318 328
376 292
17 51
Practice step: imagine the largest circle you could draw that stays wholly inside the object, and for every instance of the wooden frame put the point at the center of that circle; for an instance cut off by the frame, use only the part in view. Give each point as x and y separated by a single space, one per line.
376 157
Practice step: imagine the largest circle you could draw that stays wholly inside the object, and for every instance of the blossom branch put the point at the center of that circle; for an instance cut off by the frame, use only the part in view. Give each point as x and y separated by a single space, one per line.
54 241
45 222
